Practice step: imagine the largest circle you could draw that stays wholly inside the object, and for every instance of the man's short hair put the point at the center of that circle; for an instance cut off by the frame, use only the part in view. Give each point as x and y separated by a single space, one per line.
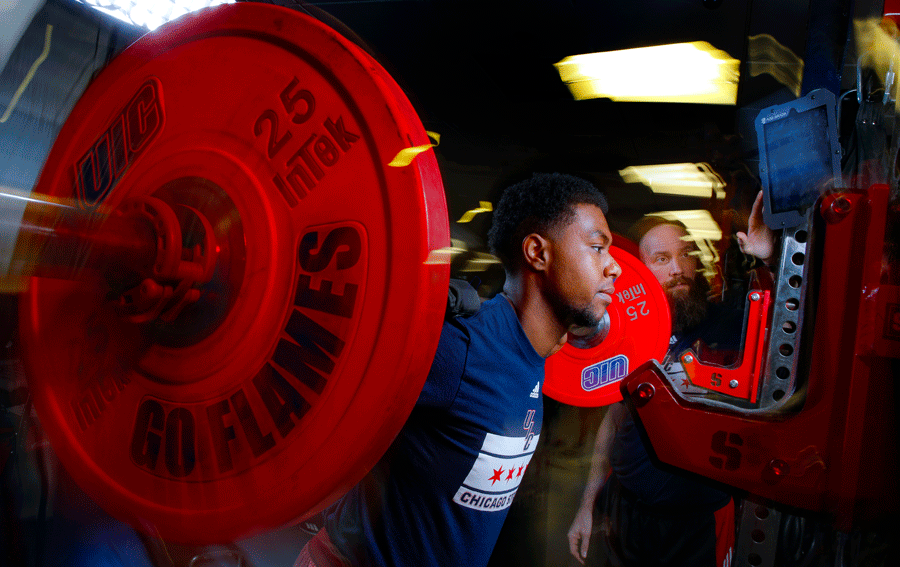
645 224
537 205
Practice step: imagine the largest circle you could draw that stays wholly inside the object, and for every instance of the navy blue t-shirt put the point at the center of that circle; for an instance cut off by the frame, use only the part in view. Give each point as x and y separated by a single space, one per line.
440 494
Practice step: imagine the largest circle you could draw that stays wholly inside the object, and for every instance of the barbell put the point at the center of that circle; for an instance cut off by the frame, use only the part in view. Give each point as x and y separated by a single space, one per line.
265 276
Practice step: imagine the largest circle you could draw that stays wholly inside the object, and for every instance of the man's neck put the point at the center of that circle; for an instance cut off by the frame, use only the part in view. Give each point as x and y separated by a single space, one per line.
534 313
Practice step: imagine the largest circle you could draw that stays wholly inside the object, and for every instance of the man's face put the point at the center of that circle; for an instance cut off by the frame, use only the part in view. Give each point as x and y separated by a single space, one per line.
674 263
581 281
670 258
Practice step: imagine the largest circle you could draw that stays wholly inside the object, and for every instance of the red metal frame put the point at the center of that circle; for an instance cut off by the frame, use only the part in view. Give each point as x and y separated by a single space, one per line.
741 381
835 451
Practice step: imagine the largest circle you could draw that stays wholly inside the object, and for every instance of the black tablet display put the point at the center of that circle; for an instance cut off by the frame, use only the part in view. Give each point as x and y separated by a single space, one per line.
799 156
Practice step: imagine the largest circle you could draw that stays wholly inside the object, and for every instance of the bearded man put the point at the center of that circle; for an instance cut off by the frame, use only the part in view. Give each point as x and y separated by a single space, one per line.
657 515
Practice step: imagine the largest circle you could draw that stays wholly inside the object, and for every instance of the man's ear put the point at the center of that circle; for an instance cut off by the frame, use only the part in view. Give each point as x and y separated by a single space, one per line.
537 252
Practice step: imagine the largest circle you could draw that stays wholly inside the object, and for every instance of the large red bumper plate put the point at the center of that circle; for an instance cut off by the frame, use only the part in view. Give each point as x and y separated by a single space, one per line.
292 375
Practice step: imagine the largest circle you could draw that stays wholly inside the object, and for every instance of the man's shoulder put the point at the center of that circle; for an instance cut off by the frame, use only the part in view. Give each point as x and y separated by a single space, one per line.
492 312
454 333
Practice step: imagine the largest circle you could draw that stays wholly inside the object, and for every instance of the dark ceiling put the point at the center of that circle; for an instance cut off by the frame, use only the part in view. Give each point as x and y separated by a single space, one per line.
481 74
485 68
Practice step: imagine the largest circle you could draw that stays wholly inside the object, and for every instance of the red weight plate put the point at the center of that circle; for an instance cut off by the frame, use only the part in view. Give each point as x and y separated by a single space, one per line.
626 245
289 378
639 329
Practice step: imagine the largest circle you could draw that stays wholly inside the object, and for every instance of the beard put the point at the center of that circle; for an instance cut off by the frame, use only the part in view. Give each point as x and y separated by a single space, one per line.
583 318
573 315
688 309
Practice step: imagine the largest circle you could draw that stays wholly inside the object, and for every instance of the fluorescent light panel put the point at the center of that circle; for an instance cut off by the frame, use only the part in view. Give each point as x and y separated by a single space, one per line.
765 55
699 223
694 72
687 179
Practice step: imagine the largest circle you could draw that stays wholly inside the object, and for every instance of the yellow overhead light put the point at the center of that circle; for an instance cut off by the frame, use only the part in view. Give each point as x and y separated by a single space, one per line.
445 255
405 156
877 49
688 179
480 262
694 72
699 223
766 55
484 207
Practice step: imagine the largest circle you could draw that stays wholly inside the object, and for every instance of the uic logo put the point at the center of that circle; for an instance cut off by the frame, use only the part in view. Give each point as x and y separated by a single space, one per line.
604 372
99 170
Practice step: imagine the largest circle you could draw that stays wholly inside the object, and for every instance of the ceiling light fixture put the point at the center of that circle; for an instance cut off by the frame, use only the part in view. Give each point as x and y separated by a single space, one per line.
693 72
686 179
